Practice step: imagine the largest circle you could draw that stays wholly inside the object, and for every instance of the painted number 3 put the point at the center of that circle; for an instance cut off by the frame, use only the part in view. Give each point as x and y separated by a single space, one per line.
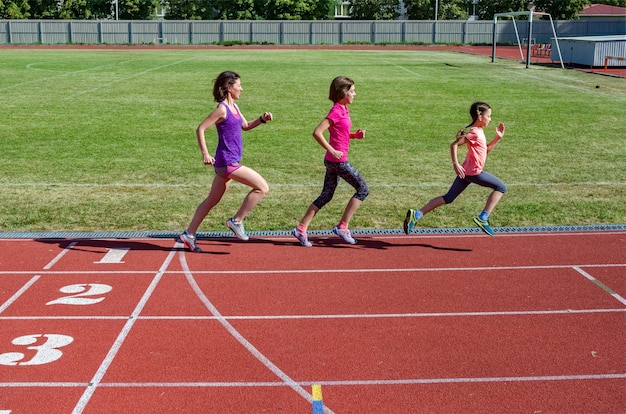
45 352
81 294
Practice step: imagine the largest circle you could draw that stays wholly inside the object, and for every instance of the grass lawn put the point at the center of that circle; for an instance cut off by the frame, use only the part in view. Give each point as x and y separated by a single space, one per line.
104 140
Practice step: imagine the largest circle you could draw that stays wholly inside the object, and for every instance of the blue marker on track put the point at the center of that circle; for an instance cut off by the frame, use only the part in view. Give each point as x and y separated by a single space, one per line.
318 405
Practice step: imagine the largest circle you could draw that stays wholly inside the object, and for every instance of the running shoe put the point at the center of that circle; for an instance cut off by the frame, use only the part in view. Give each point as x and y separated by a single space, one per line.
409 221
484 225
345 235
237 228
302 237
190 242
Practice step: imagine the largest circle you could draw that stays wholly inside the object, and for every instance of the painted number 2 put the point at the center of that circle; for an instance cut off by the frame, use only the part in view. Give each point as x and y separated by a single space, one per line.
82 294
45 352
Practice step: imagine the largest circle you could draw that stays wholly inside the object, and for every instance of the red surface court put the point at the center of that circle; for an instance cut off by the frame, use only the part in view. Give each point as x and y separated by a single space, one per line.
450 323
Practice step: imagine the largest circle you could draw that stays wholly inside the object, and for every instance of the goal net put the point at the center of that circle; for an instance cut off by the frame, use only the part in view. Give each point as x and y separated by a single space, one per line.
529 15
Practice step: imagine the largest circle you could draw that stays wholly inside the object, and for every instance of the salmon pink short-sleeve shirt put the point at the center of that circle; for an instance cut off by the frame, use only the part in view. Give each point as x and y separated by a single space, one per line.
476 151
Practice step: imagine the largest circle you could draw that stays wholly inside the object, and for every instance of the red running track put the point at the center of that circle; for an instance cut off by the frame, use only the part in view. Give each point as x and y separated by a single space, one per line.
518 323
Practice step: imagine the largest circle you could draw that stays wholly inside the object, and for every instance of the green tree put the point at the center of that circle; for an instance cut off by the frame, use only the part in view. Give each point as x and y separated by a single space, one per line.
374 9
447 9
561 10
618 3
101 9
137 9
236 10
486 9
14 9
296 9
190 10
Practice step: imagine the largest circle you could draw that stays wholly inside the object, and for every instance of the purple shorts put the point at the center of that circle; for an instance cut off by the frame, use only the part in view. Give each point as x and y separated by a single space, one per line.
228 170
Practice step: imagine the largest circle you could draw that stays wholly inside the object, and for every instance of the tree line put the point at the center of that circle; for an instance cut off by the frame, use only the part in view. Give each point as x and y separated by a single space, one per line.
282 9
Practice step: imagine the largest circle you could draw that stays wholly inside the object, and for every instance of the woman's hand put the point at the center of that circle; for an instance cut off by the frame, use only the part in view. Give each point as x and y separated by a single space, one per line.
207 159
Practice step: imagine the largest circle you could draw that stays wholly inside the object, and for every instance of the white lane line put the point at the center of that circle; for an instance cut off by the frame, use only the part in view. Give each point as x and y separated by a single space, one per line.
59 256
328 316
106 363
309 271
601 285
407 381
239 337
19 293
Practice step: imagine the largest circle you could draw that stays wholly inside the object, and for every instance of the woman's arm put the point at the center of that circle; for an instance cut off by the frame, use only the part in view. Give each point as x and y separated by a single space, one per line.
214 117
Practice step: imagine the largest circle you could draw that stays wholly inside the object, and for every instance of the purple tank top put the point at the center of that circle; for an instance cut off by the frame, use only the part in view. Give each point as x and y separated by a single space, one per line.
229 143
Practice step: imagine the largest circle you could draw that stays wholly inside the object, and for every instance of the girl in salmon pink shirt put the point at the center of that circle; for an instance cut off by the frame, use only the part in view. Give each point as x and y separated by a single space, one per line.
471 171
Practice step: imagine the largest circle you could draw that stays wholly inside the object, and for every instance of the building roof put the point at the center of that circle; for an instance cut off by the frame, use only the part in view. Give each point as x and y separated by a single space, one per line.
602 10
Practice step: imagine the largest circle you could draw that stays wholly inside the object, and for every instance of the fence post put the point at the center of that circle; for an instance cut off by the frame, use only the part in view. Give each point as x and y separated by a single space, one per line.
373 32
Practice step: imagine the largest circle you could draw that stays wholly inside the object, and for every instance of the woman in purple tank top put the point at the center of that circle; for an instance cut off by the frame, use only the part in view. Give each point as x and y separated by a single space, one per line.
230 123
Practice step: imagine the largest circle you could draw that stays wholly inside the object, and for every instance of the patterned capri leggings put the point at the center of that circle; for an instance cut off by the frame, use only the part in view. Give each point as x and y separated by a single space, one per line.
483 179
335 171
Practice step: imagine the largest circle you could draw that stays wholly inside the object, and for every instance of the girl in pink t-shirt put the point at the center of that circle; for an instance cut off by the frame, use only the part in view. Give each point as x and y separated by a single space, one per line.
338 124
471 171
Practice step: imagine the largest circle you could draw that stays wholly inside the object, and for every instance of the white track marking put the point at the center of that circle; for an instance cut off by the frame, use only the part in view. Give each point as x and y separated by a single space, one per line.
365 270
296 185
106 363
59 256
326 316
125 78
601 285
406 70
19 293
407 381
30 66
239 337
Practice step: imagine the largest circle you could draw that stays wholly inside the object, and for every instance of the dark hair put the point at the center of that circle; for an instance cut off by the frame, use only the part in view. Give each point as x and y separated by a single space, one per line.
339 88
476 110
220 86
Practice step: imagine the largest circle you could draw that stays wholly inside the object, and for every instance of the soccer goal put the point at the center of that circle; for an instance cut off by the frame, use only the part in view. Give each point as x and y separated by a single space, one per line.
530 15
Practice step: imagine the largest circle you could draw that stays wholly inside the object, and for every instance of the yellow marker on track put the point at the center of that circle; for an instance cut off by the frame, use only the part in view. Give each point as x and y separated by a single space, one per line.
318 405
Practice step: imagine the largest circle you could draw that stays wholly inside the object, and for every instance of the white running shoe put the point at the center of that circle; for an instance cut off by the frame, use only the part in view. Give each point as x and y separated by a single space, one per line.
237 228
345 235
190 242
302 237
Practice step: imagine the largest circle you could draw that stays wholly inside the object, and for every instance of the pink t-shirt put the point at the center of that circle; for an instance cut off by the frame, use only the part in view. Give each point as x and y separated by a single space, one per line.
476 151
339 131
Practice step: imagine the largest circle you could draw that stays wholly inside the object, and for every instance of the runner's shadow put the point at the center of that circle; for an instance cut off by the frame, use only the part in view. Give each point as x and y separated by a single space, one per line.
88 244
362 243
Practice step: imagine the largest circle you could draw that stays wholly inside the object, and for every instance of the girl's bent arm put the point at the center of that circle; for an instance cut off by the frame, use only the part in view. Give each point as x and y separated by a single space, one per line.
499 135
318 134
460 140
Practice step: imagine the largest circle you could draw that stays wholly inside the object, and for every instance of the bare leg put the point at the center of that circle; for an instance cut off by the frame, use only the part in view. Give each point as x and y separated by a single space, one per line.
492 200
260 188
309 215
218 188
351 208
432 204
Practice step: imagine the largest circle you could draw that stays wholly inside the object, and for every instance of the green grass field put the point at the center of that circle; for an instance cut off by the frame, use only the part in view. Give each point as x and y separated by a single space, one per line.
104 140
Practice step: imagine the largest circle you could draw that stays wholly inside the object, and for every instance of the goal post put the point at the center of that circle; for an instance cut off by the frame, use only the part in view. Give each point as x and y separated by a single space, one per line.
530 15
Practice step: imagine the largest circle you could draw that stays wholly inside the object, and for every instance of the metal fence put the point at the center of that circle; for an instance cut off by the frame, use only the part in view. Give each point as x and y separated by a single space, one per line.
287 32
